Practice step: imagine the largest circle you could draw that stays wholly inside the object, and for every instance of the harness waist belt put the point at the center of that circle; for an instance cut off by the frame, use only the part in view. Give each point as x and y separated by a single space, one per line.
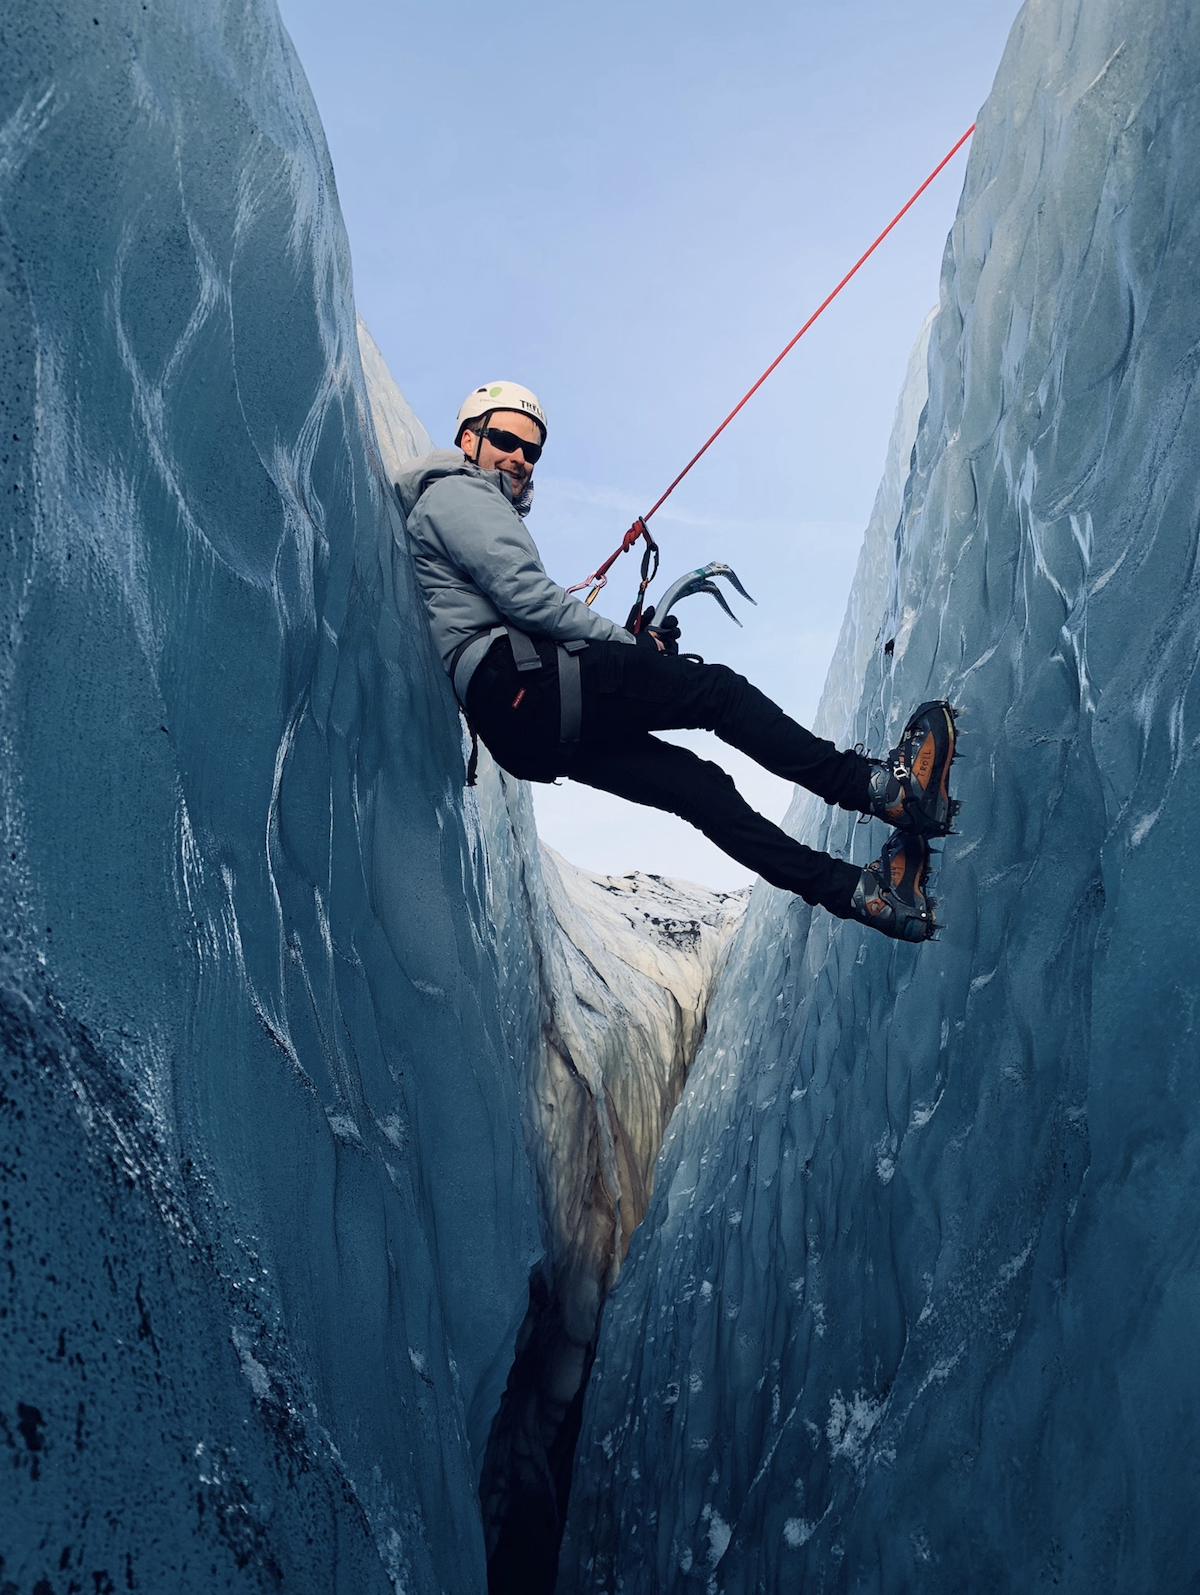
467 656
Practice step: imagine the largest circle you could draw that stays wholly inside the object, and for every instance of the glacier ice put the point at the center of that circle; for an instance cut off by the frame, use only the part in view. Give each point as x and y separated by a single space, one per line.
330 1099
914 1305
270 1217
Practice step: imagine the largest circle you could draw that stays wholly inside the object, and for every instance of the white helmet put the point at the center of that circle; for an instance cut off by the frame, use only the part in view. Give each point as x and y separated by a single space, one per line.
498 396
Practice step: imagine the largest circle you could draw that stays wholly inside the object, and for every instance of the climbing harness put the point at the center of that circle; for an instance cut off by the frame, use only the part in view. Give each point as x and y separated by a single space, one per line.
640 531
527 658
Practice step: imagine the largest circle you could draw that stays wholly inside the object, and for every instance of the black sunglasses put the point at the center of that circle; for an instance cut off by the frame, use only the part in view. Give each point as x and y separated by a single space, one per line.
509 443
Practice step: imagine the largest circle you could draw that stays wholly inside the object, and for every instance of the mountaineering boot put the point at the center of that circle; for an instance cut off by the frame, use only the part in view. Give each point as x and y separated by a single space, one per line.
890 895
910 788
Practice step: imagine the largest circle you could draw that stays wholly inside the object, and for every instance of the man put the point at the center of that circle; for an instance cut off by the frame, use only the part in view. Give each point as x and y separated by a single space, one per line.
554 689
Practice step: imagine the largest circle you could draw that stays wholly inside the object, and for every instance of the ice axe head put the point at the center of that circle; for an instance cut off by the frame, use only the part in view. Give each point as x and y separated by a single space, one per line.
699 581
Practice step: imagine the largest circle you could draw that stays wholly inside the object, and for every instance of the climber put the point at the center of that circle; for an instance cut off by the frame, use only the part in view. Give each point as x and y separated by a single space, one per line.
554 689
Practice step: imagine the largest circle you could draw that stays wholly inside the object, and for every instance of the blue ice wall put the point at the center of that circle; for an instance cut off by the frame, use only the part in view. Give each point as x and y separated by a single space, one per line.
267 1213
916 1303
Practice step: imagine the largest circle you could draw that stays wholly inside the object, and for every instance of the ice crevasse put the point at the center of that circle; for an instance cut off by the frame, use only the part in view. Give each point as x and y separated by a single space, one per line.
278 1005
915 1303
325 1091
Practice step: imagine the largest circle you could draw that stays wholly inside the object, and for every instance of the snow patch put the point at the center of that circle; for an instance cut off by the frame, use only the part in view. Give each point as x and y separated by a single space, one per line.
850 1425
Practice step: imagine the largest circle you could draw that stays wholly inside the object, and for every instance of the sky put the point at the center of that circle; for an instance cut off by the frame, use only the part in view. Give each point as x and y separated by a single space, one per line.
630 208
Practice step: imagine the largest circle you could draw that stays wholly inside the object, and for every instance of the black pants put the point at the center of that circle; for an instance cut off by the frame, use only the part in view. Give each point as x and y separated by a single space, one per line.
628 692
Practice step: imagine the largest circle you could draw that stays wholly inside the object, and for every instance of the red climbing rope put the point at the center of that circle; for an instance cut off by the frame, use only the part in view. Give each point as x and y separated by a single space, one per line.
639 528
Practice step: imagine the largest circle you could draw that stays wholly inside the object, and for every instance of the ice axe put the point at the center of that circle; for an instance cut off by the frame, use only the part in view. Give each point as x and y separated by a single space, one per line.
700 581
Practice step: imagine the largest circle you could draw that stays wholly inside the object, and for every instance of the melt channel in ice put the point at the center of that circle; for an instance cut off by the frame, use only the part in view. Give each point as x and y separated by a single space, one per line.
915 1303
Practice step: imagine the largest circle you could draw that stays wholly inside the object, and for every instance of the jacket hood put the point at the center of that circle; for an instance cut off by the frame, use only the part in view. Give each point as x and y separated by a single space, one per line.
413 481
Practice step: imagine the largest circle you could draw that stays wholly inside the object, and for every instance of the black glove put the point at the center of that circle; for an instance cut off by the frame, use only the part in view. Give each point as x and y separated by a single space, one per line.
668 634
642 634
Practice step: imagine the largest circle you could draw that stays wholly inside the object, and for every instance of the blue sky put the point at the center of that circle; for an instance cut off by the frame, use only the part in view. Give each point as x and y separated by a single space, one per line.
631 208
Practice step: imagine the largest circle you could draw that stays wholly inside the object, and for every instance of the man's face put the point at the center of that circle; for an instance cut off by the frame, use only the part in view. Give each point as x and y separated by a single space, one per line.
511 461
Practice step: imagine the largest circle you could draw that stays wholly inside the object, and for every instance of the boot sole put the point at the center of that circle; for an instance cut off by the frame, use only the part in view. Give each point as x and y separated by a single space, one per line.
930 809
904 861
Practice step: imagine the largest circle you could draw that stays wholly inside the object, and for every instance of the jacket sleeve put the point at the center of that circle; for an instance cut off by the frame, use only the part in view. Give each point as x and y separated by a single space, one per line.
485 537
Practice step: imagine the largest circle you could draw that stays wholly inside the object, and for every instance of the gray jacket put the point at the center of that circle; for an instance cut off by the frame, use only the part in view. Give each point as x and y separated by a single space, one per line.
478 567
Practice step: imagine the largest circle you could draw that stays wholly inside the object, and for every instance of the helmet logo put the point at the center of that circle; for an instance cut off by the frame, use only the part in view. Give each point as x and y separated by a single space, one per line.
494 393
